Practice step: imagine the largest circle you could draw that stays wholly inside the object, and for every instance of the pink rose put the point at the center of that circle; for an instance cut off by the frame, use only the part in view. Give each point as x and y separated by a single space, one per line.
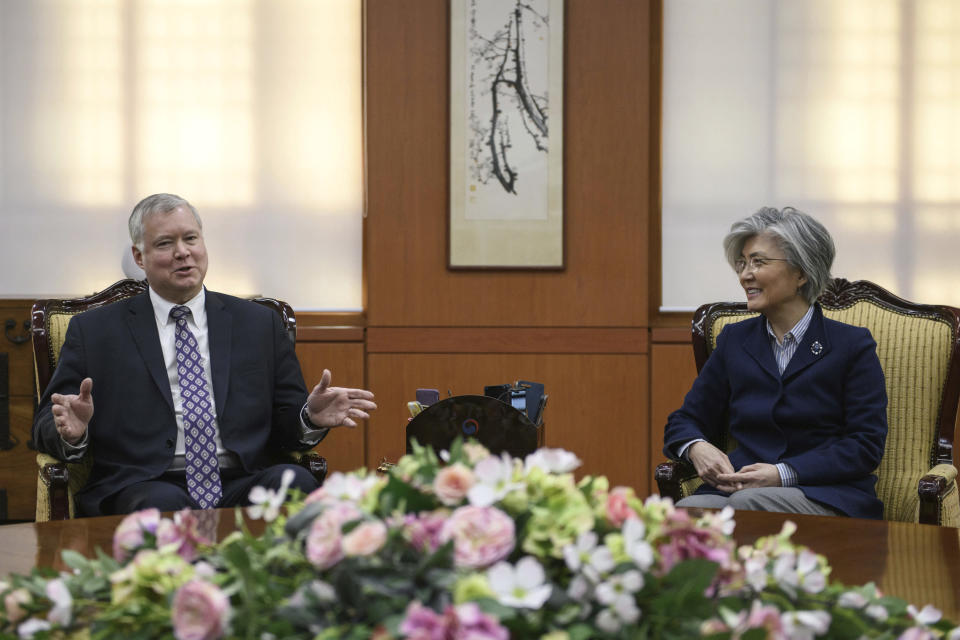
366 539
340 513
12 602
464 622
481 536
452 484
686 540
324 548
200 611
765 617
184 531
423 529
474 624
129 535
618 507
423 623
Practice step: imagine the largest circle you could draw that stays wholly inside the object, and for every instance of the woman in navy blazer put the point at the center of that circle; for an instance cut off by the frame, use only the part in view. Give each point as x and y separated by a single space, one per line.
803 395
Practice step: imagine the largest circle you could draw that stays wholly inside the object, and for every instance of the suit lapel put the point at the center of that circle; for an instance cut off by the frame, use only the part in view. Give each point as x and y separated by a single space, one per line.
219 328
143 327
814 346
757 345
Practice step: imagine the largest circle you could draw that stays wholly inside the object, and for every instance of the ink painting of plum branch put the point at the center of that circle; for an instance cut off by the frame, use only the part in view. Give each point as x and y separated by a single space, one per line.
506 133
499 74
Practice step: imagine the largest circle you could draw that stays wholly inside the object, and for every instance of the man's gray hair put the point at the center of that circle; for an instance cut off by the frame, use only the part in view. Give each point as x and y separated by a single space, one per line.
157 203
805 242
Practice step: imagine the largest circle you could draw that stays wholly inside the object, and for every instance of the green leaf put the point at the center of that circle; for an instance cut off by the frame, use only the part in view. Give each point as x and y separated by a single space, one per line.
397 493
305 517
682 590
847 623
580 632
75 560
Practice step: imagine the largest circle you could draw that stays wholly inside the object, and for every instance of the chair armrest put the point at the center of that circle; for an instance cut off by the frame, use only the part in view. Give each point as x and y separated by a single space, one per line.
315 464
53 495
670 477
939 501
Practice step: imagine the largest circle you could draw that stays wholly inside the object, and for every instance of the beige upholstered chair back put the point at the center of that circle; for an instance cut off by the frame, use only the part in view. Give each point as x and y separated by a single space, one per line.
918 347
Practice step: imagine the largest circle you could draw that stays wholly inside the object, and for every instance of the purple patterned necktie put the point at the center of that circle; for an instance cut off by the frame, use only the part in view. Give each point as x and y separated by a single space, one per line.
200 448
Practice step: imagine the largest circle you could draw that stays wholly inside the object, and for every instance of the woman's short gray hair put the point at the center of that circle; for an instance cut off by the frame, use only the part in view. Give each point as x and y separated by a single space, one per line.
157 203
805 242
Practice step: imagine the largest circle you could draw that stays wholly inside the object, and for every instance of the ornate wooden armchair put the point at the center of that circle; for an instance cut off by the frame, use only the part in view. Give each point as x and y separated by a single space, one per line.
919 350
58 481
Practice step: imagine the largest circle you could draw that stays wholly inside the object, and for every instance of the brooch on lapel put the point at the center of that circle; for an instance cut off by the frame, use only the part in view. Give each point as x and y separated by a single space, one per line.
816 348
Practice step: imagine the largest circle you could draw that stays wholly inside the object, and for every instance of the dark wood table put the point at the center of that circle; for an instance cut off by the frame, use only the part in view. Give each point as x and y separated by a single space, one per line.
919 563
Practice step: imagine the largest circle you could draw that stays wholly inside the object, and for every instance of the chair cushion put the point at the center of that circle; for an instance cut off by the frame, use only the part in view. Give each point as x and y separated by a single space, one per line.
914 352
57 322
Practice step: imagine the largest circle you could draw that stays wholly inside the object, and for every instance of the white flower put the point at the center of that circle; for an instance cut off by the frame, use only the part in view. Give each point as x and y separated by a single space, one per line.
794 571
266 503
808 570
599 563
756 569
61 611
726 518
577 554
635 544
204 570
521 586
318 590
552 461
494 480
954 634
343 487
608 621
29 627
805 625
721 520
926 616
579 588
617 592
851 600
585 555
785 573
623 610
878 612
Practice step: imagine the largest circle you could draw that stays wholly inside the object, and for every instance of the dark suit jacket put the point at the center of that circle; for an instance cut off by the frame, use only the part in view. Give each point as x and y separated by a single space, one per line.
257 385
825 416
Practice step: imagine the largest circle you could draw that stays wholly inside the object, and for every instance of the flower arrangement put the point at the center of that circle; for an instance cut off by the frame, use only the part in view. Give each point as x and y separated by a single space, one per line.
464 545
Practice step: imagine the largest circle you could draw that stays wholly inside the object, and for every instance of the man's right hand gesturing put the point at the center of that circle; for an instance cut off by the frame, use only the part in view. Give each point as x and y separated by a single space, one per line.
72 412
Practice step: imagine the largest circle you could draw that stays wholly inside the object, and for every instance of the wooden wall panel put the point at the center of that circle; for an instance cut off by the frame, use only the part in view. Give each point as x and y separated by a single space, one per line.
18 465
18 475
343 447
597 407
672 372
606 184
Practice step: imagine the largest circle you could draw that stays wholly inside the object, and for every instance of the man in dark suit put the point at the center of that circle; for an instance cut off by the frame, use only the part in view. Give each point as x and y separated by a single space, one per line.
194 389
